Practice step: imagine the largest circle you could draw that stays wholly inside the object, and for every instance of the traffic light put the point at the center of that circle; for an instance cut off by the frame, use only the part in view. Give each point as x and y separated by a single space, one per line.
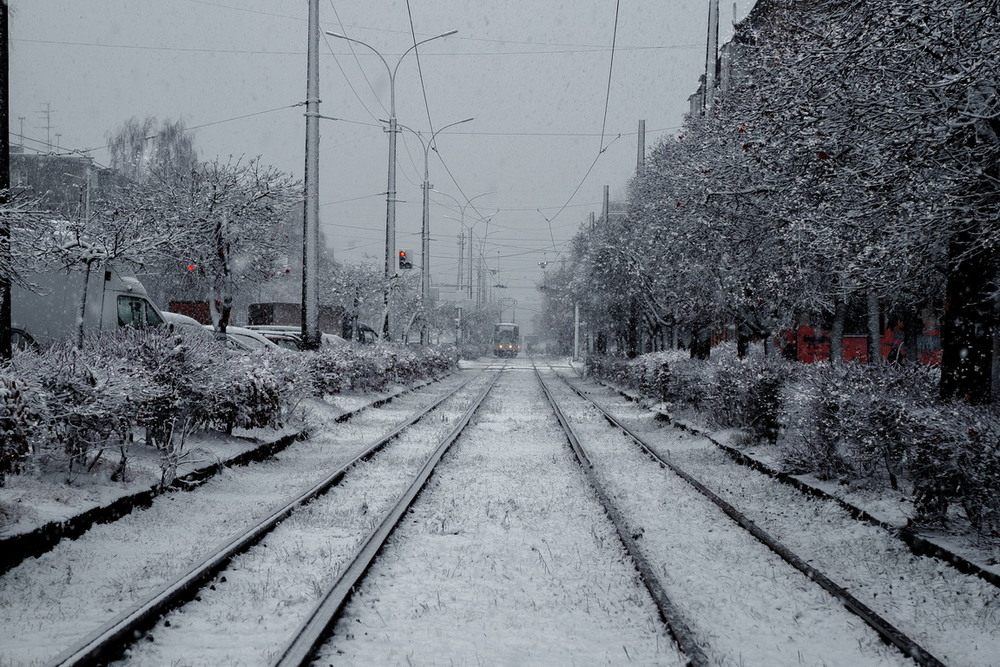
404 260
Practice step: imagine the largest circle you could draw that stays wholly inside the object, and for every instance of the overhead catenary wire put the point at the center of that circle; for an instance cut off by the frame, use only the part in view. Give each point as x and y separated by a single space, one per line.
603 148
420 69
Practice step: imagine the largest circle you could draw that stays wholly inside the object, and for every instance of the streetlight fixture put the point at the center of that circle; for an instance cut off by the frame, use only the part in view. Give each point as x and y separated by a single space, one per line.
390 195
425 236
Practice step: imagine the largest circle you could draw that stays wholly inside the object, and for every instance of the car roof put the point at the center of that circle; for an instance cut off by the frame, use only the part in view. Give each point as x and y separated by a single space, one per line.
178 318
244 333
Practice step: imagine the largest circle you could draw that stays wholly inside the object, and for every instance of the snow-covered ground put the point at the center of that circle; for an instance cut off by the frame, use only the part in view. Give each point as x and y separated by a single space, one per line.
505 559
49 602
952 615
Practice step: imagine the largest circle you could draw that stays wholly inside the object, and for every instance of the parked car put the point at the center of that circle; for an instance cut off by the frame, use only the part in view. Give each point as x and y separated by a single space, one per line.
243 339
186 325
291 337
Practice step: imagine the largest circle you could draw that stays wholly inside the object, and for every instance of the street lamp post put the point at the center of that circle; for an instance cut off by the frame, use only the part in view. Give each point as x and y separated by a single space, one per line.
425 236
390 195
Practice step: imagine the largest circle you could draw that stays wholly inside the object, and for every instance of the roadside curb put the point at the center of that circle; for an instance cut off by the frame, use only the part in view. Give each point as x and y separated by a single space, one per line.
17 548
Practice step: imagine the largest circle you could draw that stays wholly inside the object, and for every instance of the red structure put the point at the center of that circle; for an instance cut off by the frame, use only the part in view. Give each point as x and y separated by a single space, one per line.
810 345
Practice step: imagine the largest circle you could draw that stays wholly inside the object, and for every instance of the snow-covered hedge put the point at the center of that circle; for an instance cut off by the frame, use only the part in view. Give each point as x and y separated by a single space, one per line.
874 426
19 421
374 368
67 408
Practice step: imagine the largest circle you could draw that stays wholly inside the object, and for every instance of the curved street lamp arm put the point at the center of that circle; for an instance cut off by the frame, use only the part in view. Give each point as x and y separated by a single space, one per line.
423 41
365 44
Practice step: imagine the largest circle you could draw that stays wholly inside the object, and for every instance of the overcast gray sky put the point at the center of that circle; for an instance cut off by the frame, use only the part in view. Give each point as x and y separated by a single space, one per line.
533 73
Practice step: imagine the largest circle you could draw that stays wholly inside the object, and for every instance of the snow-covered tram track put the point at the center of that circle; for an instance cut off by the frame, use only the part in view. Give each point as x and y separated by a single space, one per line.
124 632
504 558
664 519
953 612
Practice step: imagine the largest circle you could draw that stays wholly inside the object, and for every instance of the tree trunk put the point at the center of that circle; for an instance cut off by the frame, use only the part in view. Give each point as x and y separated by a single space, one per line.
967 325
874 330
837 332
701 343
81 315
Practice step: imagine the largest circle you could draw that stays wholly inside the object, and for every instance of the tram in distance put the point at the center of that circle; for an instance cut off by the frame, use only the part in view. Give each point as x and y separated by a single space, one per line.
506 340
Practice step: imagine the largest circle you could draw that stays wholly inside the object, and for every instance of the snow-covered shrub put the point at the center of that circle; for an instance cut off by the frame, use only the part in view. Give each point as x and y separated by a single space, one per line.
747 394
375 367
435 360
856 421
87 401
609 368
650 375
248 394
19 423
180 374
811 424
333 371
473 350
955 460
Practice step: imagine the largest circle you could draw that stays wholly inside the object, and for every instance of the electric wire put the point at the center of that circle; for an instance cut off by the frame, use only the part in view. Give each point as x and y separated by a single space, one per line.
343 31
420 69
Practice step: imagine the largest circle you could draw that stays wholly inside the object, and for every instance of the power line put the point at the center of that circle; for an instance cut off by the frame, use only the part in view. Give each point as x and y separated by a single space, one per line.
420 70
256 52
356 60
611 67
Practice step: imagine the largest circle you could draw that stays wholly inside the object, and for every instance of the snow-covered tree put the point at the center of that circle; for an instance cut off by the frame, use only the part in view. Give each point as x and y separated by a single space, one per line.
141 149
232 216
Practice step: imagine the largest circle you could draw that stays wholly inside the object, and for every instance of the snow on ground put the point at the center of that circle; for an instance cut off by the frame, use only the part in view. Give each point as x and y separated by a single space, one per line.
43 495
49 602
953 615
495 584
259 599
743 602
506 559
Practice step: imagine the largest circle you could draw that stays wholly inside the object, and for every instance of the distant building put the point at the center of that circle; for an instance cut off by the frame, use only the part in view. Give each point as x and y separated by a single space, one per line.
59 182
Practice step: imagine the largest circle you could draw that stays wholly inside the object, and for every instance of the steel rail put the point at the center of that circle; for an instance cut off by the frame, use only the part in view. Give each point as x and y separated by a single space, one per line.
886 630
110 641
310 636
671 616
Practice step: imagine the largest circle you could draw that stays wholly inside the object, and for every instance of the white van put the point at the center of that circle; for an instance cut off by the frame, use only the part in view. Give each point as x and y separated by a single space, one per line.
50 310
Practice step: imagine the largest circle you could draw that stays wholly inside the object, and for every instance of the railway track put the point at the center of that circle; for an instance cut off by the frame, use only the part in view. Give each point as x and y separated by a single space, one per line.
121 576
476 535
901 596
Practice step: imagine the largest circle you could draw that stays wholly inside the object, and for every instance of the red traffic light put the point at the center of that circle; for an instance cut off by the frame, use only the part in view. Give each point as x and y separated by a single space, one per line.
404 260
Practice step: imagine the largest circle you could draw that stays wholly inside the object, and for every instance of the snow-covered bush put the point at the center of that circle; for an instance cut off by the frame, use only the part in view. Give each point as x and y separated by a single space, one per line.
68 407
609 368
87 402
876 426
955 460
19 425
726 390
747 394
855 421
252 395
375 367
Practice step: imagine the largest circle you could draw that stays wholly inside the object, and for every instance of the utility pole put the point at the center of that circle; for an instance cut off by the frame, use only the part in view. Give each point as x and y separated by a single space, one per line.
640 161
460 288
48 126
711 54
310 224
5 253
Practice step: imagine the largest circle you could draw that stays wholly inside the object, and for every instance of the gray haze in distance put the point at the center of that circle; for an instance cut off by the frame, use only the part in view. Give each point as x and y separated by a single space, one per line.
534 75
